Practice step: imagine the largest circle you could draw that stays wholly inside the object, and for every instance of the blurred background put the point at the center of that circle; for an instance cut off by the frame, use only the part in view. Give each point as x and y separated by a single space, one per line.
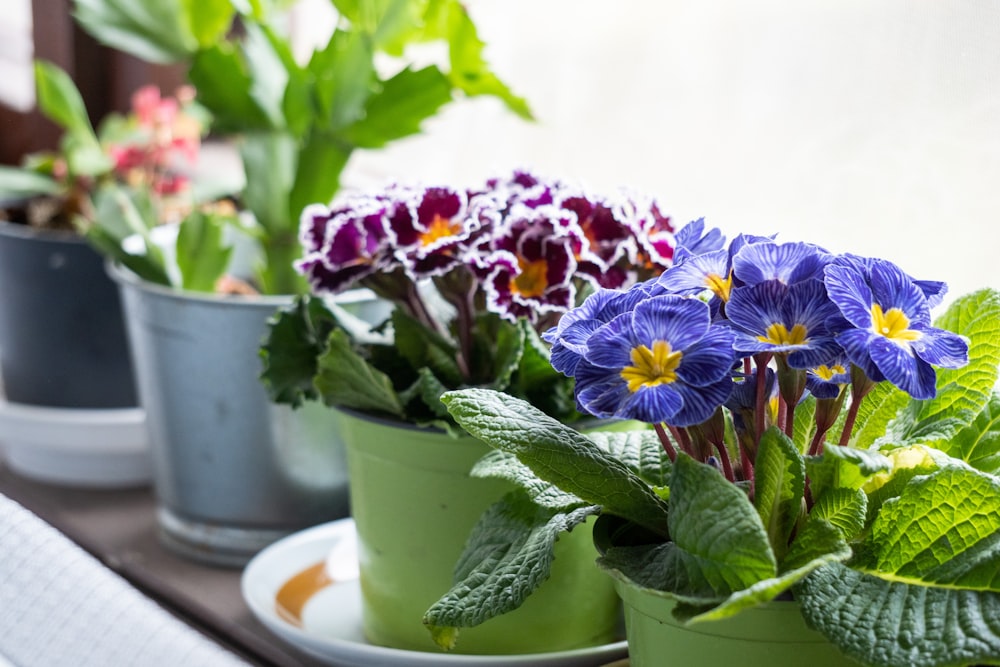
869 127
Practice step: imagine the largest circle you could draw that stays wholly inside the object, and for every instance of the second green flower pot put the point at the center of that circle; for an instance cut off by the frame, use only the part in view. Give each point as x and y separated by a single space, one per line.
414 505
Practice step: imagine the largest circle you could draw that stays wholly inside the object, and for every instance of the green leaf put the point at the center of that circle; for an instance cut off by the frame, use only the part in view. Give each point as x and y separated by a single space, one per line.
880 622
119 214
943 529
779 482
345 78
962 392
158 32
469 71
844 509
979 443
317 177
509 554
509 350
557 453
843 467
268 72
818 542
498 464
804 425
399 109
224 85
61 102
422 347
202 252
876 412
640 450
430 389
269 160
763 591
717 533
16 183
345 379
296 337
208 20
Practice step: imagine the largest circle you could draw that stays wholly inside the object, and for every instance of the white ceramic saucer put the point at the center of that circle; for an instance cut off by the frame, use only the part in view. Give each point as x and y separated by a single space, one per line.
330 627
106 448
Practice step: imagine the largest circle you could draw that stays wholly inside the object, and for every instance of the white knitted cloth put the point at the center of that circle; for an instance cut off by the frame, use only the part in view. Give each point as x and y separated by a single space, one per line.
60 606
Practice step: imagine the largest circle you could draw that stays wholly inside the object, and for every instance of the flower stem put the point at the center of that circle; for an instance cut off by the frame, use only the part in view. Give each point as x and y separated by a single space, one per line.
727 465
683 441
665 439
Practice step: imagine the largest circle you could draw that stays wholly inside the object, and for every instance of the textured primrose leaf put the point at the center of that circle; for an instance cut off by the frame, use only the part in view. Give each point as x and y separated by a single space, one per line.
894 624
979 443
779 483
509 554
943 529
344 378
804 423
503 465
640 450
844 509
422 347
877 410
822 553
557 453
431 389
818 542
843 467
962 393
296 337
718 534
508 350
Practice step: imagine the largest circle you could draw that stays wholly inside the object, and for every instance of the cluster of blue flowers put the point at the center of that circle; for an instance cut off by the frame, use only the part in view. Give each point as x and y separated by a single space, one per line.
753 326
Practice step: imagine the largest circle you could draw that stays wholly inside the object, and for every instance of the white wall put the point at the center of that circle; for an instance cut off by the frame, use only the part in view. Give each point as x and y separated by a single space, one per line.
865 126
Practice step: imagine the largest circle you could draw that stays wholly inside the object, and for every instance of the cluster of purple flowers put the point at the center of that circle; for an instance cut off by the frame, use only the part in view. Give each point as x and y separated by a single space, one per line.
522 247
753 326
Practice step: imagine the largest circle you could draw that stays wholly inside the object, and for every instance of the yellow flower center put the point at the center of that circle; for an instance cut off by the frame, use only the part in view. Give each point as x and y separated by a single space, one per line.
652 367
533 278
720 286
440 228
894 325
778 334
827 372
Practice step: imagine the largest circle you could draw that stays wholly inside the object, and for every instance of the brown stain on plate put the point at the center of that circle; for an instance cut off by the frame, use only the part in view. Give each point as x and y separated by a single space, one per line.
296 592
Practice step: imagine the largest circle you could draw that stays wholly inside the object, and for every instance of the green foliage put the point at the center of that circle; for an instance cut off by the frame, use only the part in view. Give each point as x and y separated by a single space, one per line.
303 122
202 251
892 548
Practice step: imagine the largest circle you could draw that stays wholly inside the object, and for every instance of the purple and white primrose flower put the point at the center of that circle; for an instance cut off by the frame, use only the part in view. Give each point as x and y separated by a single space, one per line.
891 337
518 249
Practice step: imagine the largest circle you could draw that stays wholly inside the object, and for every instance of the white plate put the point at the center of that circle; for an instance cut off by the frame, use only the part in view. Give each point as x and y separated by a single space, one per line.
331 619
95 448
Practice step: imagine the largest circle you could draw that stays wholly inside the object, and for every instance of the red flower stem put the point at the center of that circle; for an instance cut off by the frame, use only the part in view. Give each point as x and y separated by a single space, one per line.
816 446
852 415
747 465
727 465
682 440
665 439
761 402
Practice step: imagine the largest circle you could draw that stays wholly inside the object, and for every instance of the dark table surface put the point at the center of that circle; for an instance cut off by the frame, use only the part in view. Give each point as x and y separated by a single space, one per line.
119 528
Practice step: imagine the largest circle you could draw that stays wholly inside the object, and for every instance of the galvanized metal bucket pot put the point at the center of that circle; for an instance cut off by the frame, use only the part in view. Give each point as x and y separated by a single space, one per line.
232 471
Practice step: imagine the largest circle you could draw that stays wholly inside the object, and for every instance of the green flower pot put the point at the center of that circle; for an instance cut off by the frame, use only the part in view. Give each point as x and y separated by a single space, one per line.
414 505
767 636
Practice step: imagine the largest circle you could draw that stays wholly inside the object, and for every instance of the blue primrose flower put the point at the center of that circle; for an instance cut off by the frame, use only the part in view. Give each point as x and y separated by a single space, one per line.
569 337
826 380
660 362
784 319
785 262
891 337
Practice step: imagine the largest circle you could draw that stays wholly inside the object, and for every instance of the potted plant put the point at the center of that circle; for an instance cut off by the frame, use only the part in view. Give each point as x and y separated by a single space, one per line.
73 414
473 275
813 491
239 472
